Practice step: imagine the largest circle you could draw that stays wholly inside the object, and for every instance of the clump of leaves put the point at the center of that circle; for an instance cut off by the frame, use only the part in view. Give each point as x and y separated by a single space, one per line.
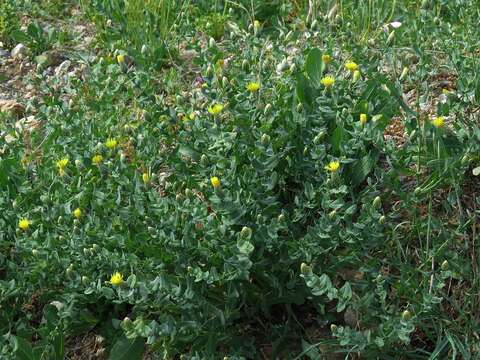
8 22
212 25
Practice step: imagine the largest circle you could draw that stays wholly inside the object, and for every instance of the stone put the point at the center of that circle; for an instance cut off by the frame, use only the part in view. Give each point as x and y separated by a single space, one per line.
4 53
19 51
11 106
63 67
49 58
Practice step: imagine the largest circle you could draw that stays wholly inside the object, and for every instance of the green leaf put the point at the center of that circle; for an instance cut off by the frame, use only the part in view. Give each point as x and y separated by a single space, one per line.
19 36
344 296
22 348
337 138
310 350
245 247
314 65
127 349
188 152
59 346
303 90
362 168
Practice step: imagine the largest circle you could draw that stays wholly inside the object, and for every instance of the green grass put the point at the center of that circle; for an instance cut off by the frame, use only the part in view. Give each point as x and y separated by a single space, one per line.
284 259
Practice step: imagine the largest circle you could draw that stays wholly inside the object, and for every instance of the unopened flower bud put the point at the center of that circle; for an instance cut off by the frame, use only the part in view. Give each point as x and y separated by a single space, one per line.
204 160
404 73
281 218
126 321
382 219
246 232
288 35
333 328
265 139
305 269
211 42
406 315
245 64
391 37
445 265
356 75
34 252
377 202
224 82
332 214
299 107
267 109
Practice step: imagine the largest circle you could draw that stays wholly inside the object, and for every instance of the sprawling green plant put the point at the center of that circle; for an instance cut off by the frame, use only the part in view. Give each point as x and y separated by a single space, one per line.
302 190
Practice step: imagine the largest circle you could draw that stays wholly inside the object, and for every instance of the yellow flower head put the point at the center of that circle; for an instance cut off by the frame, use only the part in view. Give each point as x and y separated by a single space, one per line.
24 224
253 86
351 66
215 182
256 24
97 159
215 109
363 118
328 81
120 59
438 122
326 58
332 166
116 279
77 213
111 143
145 178
62 163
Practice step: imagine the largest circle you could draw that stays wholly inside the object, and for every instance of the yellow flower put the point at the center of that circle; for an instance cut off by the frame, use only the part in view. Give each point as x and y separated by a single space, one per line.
145 178
192 116
24 224
97 159
77 213
351 66
215 109
120 59
111 143
363 118
438 122
253 86
445 91
256 24
326 58
328 81
116 279
62 163
215 182
332 166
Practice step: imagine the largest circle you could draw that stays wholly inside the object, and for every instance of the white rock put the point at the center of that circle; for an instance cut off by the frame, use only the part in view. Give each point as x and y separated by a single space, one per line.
63 67
19 51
